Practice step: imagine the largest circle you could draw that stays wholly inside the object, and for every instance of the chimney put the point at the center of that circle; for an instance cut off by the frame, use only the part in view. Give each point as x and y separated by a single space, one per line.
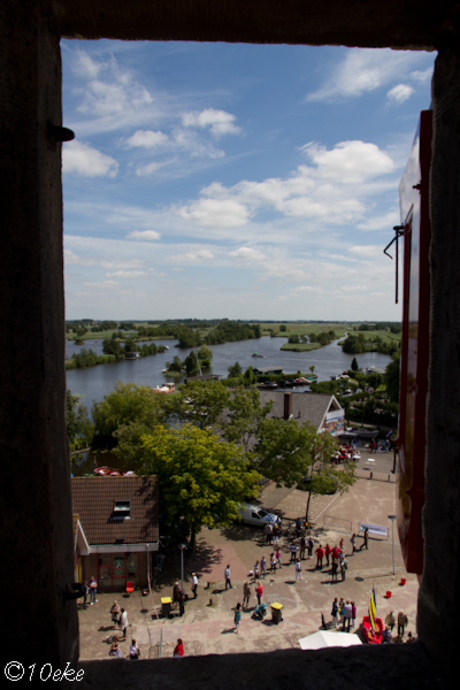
287 405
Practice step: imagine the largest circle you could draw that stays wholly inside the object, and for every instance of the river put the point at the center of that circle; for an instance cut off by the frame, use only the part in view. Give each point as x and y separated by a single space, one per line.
93 383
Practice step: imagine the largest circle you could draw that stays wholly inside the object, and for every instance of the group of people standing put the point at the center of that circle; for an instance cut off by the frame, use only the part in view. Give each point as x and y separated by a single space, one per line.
343 614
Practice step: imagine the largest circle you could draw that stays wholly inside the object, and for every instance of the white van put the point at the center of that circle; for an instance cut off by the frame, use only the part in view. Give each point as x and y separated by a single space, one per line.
255 515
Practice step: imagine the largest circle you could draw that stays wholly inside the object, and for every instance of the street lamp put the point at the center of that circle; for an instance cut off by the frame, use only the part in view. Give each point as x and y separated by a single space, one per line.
182 548
393 518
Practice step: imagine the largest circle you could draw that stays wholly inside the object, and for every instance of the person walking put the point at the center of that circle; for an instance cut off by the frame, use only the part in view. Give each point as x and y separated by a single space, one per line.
259 592
134 652
272 562
334 571
334 612
390 620
365 543
298 571
181 600
179 649
347 617
319 557
293 548
92 590
310 545
353 544
228 581
124 622
237 617
263 567
268 529
353 614
175 593
327 553
303 546
341 606
402 622
246 594
278 556
115 613
276 534
343 567
85 590
194 585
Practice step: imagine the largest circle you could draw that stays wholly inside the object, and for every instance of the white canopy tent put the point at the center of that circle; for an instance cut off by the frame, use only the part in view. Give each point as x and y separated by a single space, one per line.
329 638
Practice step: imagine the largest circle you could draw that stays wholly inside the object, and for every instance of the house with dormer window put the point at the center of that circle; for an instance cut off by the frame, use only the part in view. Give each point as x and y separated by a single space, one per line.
115 529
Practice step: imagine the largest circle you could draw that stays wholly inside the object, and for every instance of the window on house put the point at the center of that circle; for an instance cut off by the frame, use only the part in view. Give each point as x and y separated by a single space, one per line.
122 510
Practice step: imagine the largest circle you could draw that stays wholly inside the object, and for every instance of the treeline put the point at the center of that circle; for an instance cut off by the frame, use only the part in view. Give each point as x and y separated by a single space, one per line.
111 346
192 336
113 352
357 344
323 338
392 326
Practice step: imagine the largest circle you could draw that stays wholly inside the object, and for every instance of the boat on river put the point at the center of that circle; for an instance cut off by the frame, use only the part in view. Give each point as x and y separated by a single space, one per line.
165 388
132 355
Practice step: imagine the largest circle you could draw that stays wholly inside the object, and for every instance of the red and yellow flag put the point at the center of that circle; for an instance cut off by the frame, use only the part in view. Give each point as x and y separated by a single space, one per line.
372 610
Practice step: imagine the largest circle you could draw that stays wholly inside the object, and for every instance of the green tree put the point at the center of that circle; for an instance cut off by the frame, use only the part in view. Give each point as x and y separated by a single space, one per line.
79 427
354 364
202 478
200 402
245 413
234 370
295 454
283 327
127 403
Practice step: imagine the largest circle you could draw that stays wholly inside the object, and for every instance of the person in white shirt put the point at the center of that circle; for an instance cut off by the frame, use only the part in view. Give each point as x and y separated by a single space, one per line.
134 652
194 585
298 571
124 622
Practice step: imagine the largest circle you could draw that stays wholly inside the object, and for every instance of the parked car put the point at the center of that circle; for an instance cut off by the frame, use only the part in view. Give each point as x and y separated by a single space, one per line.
255 515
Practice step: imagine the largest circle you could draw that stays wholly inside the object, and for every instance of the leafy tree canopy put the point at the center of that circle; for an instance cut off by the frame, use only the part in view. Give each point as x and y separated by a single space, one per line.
202 478
78 424
125 404
289 453
245 414
201 403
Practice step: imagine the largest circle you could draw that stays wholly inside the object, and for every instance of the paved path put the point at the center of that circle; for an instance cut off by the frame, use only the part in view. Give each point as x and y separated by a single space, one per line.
207 626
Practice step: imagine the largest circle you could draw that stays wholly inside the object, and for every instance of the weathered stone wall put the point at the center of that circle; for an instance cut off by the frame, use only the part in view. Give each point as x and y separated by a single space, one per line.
36 530
440 591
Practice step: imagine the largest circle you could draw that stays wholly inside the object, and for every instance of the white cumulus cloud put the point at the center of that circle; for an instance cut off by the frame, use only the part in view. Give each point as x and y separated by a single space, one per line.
144 235
400 93
83 159
147 139
218 121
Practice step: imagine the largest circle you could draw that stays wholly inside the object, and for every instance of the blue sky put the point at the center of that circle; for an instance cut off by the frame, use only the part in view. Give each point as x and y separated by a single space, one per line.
239 181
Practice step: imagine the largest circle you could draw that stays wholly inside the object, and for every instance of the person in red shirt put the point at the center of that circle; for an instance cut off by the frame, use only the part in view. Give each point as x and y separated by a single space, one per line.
259 592
319 555
327 552
179 648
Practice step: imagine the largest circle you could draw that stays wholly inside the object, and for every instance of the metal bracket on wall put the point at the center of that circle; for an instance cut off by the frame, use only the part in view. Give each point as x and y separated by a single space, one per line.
399 232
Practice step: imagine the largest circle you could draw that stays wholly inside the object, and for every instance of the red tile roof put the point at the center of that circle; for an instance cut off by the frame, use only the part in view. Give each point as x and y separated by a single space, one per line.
93 501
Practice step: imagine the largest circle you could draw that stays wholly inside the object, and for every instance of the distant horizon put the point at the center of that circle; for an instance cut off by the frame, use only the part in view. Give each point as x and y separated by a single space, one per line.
238 178
225 318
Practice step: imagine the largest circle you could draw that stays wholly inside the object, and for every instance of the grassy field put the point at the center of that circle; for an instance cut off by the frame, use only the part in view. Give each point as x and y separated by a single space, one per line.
303 328
300 347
